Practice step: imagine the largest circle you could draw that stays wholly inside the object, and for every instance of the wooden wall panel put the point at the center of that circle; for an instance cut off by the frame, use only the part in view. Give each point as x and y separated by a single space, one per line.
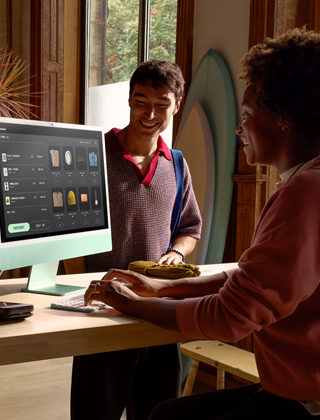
8 41
53 90
53 31
314 15
35 55
250 201
47 57
261 20
52 59
184 50
71 62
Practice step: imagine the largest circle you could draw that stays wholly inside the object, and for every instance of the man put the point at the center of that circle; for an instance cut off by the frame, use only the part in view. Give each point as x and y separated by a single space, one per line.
142 191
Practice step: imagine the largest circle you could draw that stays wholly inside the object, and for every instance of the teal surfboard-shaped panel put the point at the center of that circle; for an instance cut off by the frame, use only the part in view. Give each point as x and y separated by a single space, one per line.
194 139
212 87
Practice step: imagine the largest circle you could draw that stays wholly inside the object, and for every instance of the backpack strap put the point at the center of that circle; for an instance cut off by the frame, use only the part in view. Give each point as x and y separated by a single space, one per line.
177 157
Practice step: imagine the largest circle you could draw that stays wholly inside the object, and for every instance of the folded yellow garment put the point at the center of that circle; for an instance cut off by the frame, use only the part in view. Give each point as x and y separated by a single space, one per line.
71 198
149 268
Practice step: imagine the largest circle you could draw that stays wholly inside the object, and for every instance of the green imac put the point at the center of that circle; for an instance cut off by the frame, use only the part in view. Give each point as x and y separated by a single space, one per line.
54 198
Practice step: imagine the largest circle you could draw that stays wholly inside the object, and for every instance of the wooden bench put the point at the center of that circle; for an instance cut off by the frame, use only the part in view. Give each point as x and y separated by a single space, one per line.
224 357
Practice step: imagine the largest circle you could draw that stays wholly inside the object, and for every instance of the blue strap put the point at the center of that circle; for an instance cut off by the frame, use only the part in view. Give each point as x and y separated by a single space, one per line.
177 157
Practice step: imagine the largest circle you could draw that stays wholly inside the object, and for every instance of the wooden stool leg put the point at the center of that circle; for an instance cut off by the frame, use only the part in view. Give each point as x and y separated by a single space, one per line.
220 379
191 377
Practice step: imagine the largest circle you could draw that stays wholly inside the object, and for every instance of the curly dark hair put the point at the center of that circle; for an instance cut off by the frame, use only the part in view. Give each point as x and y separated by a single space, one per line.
286 72
157 73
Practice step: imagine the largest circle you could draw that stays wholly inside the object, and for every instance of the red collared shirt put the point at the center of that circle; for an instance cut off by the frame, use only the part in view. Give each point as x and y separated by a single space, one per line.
113 145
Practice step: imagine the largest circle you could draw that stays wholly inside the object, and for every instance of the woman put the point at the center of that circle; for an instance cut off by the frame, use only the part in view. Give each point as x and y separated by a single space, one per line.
275 292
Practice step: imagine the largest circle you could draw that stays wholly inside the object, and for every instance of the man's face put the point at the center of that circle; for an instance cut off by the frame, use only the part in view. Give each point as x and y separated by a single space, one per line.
151 109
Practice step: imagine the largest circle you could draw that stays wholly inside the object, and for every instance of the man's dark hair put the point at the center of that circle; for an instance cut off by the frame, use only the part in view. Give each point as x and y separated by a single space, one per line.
157 73
286 73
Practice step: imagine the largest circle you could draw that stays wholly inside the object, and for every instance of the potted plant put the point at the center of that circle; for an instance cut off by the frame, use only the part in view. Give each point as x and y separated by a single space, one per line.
14 93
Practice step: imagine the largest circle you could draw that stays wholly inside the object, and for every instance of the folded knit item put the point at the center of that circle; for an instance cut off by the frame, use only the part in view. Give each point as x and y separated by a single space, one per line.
149 268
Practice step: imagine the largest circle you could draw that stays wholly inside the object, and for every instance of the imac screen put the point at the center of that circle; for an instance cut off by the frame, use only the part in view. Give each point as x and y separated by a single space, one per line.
53 185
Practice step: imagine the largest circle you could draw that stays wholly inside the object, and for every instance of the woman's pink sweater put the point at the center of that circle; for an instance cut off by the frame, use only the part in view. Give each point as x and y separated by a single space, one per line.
274 293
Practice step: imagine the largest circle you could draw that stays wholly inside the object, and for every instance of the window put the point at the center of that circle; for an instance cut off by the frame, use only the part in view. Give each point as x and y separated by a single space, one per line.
124 33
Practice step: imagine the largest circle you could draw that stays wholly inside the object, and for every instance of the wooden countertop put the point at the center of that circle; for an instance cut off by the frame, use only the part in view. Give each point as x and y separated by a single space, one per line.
52 333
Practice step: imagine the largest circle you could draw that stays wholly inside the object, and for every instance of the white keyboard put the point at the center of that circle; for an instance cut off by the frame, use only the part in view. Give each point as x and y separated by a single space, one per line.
76 303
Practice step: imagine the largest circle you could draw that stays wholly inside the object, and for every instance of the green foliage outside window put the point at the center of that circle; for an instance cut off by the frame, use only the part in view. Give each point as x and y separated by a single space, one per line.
163 26
122 36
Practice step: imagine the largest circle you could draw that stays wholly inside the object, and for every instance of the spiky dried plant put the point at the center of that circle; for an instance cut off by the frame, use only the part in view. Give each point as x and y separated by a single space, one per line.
14 93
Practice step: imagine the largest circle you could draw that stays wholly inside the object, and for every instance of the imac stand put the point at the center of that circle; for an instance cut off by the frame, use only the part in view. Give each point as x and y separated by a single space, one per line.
42 280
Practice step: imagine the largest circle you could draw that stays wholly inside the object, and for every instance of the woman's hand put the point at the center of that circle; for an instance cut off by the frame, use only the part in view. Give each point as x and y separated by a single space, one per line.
161 312
138 283
113 293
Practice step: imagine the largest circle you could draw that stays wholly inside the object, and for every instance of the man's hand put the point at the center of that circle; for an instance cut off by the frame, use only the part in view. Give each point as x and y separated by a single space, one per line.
170 258
183 246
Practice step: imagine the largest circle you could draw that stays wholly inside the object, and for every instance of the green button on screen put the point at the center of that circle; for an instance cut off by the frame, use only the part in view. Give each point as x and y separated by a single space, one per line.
19 227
